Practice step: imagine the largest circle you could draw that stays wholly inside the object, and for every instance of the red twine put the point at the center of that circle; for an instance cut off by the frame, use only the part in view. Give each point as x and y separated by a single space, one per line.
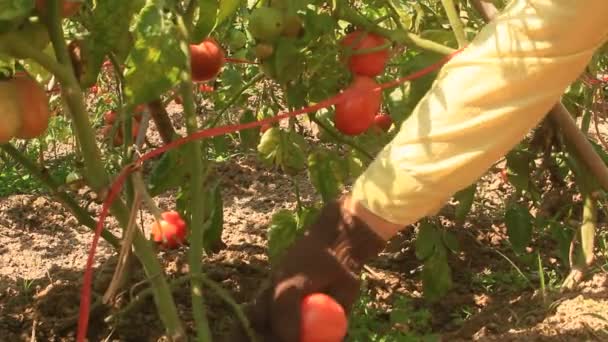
85 297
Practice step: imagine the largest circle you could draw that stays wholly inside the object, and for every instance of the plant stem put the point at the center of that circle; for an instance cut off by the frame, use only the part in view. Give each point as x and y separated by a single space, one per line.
340 139
346 13
20 46
588 228
70 203
455 22
232 100
197 206
99 179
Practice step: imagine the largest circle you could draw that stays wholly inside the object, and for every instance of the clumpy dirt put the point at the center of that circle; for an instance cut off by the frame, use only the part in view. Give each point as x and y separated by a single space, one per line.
43 251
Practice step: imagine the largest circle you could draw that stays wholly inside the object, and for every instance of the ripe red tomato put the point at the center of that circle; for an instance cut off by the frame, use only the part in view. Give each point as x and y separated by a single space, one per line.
34 112
172 230
205 88
356 113
109 117
68 8
206 59
323 319
383 121
94 89
366 64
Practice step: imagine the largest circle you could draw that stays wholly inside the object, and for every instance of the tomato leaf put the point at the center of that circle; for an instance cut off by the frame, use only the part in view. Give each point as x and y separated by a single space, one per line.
519 227
12 12
227 8
518 168
110 23
321 172
427 240
213 232
436 277
283 149
465 198
158 59
288 61
281 234
207 19
250 138
167 174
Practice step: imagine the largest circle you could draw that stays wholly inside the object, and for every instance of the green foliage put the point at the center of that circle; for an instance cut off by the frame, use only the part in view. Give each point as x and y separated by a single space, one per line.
158 59
519 227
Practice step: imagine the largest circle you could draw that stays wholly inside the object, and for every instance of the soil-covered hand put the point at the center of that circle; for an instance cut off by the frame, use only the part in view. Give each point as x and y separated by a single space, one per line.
327 258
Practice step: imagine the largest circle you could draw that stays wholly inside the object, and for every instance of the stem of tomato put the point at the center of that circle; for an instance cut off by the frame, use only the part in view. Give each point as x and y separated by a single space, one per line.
196 205
232 100
339 138
99 179
346 13
455 22
54 186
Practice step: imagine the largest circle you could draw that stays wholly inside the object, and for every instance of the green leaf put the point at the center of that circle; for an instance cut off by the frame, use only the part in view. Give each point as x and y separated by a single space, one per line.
109 31
465 200
436 277
322 174
207 19
168 173
158 60
450 241
249 137
281 234
307 216
283 149
420 86
518 168
356 163
427 240
227 8
288 60
12 12
213 231
519 227
402 11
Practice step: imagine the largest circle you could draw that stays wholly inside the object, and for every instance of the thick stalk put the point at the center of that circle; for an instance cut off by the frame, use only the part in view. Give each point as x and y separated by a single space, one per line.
99 179
455 22
68 202
197 206
588 228
162 121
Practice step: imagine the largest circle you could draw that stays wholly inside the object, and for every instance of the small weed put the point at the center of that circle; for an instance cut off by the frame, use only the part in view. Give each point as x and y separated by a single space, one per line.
402 323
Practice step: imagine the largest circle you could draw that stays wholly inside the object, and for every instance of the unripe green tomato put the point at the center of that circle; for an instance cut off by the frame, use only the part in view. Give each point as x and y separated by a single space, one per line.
237 39
266 24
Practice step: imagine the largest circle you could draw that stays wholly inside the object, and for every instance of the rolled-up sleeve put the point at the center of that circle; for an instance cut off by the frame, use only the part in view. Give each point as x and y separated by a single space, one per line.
483 102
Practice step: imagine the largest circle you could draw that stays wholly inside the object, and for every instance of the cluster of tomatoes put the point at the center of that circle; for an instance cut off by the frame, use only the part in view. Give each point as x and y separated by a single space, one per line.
361 110
109 119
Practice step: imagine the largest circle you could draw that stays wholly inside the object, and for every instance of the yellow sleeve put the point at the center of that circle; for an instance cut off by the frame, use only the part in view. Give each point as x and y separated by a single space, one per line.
484 101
